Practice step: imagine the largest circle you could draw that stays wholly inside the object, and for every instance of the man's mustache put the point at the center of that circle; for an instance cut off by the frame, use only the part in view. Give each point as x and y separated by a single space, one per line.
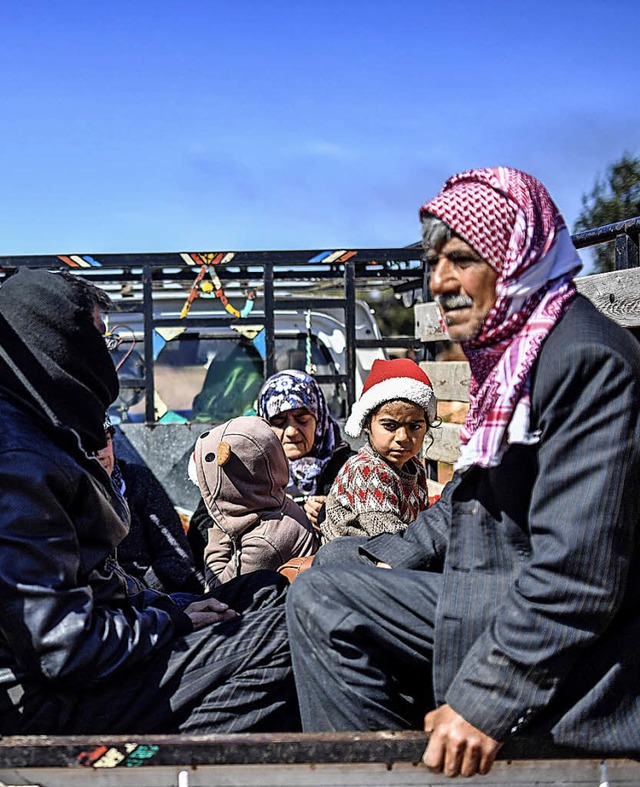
449 302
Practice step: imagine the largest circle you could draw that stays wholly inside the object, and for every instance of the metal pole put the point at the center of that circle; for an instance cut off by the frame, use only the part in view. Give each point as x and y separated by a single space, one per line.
350 330
269 321
147 315
626 252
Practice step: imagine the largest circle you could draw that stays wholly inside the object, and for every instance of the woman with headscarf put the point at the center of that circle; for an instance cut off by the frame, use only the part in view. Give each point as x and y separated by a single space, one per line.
293 403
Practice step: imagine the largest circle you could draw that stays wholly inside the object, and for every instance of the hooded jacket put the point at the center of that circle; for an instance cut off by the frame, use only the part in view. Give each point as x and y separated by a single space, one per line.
67 619
242 473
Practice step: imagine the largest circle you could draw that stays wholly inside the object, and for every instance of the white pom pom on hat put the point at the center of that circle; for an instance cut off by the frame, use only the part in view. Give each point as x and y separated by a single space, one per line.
400 378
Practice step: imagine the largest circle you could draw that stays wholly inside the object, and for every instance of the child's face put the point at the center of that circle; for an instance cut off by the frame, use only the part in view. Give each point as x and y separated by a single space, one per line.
397 431
106 456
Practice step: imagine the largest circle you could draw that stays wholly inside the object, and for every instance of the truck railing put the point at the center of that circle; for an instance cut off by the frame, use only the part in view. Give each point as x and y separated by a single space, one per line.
274 274
390 758
354 758
287 279
624 234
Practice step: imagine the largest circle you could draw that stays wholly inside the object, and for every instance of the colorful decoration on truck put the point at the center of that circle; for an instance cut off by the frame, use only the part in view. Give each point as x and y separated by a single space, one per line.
333 256
129 755
212 288
79 261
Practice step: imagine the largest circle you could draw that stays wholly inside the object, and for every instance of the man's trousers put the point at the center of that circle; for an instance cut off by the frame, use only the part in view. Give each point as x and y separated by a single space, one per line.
362 645
233 676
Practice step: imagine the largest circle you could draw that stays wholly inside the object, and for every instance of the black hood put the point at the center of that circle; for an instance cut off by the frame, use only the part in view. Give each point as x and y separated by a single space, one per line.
53 356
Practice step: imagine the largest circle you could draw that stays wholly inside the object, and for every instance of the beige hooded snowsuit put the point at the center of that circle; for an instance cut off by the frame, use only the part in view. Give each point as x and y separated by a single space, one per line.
242 474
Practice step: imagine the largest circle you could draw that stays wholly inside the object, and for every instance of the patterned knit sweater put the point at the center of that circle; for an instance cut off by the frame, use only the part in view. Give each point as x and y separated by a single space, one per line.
370 496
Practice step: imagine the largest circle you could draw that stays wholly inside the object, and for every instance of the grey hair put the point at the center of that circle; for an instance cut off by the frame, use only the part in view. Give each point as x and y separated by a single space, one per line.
435 233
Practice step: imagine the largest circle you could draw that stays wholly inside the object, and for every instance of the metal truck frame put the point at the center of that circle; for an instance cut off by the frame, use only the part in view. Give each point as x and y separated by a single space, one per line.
367 758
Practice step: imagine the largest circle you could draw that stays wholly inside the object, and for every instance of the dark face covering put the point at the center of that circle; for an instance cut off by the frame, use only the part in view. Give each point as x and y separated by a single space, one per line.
52 356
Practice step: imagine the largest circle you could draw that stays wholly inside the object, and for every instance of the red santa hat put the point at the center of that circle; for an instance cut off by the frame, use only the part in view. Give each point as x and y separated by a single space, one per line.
400 378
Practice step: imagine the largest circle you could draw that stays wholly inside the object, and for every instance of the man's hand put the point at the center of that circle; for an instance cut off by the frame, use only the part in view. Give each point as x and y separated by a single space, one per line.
312 506
207 612
457 748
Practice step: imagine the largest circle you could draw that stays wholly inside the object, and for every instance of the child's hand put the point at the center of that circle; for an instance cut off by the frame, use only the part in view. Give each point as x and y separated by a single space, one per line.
312 506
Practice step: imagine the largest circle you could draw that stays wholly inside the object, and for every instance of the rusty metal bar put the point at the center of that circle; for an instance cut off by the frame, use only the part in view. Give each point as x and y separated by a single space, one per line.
247 749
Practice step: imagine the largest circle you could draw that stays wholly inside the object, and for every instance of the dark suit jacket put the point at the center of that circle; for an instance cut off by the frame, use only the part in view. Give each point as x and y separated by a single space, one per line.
538 624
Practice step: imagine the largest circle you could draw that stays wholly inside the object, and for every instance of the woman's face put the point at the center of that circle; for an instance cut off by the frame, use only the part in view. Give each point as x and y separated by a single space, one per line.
397 431
106 456
296 431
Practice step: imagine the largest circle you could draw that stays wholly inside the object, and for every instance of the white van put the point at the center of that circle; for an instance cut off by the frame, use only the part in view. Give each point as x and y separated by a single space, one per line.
209 374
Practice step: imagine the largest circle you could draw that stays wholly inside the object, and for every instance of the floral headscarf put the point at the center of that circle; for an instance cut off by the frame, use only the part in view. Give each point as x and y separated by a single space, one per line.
290 390
509 218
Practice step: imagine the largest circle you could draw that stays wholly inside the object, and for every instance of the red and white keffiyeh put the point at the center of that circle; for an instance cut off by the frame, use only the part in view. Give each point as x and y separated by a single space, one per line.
509 218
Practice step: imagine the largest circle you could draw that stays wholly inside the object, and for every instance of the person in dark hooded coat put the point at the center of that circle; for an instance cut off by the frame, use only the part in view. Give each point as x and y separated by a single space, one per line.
79 652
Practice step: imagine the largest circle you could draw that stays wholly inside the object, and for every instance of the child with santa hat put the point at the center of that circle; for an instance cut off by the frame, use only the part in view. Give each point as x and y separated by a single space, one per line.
383 487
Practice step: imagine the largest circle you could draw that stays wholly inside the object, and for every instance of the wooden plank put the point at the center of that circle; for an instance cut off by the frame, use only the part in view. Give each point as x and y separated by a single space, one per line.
446 444
428 323
450 379
434 487
616 294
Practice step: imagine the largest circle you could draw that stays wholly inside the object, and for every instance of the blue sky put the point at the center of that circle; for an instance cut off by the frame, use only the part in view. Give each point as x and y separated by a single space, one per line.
206 125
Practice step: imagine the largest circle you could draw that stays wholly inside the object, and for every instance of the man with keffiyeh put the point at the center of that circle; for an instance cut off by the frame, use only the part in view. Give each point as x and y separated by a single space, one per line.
512 606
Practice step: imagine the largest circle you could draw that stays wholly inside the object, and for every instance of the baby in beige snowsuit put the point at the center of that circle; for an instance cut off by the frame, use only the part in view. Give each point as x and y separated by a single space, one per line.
242 473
